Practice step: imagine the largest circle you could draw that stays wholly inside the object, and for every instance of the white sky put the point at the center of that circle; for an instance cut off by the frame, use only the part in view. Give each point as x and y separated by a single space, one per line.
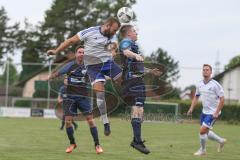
192 31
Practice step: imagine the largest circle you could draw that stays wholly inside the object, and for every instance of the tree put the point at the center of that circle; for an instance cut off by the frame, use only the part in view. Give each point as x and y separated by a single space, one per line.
171 66
32 47
171 71
13 75
7 34
233 62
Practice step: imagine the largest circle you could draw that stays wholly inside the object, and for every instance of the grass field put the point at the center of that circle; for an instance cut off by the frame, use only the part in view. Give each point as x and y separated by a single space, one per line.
41 139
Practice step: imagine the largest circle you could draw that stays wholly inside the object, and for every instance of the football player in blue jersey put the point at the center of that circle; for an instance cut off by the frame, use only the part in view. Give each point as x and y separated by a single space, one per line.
77 97
133 84
62 95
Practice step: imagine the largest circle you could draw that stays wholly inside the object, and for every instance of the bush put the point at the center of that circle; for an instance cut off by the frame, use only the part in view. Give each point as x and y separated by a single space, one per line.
229 112
22 103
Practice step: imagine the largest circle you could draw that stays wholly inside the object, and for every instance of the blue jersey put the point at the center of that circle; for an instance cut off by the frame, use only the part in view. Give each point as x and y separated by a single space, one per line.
131 67
76 77
62 91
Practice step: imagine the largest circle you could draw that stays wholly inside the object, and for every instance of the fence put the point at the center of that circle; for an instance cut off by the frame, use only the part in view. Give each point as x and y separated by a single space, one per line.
15 92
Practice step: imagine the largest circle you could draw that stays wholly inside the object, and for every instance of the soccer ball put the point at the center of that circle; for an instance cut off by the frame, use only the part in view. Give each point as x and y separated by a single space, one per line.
125 14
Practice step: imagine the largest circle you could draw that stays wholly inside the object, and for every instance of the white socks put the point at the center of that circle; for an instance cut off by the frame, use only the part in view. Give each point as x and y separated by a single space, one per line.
102 107
104 118
203 139
215 137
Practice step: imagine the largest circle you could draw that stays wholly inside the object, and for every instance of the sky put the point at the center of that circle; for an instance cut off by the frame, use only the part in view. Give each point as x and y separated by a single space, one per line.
193 32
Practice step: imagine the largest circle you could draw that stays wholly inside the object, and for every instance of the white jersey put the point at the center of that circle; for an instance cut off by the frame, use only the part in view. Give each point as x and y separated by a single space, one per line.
95 45
210 94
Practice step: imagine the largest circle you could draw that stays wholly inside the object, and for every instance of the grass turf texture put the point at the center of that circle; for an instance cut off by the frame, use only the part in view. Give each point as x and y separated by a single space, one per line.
35 139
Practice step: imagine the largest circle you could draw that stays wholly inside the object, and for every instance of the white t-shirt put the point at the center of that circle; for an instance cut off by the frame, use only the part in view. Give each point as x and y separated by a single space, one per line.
210 94
95 45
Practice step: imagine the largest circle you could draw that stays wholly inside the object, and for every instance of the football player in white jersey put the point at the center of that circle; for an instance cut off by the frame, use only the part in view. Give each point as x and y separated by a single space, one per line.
212 96
99 45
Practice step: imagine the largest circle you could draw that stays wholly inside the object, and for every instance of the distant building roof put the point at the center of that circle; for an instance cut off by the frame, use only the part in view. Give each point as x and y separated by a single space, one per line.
59 59
220 75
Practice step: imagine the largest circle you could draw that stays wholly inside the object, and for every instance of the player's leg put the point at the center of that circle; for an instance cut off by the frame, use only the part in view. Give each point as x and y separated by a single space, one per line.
97 80
84 105
205 122
75 125
63 122
94 133
136 121
101 103
213 136
69 109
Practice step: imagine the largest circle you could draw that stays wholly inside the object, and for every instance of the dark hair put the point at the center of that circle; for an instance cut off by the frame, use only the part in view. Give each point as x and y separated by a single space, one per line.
78 46
207 65
112 20
124 30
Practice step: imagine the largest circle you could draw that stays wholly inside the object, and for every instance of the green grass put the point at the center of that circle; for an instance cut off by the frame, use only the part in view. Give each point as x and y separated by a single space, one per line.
40 139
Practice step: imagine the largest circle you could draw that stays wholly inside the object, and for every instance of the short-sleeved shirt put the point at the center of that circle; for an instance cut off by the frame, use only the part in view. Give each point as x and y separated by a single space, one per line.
132 67
62 91
76 77
210 94
95 45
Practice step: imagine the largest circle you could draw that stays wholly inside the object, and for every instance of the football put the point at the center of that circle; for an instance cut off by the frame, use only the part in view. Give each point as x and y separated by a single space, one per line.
125 14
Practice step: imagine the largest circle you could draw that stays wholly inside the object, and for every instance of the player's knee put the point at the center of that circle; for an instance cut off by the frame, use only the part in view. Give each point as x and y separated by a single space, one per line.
203 130
91 122
98 87
68 123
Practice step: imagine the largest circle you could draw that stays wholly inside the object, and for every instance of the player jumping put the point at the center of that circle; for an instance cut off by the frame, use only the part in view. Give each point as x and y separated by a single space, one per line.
99 45
134 91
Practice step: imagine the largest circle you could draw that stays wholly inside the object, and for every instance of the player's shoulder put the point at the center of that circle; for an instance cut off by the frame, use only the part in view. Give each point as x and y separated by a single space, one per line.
125 43
72 62
199 83
214 82
90 30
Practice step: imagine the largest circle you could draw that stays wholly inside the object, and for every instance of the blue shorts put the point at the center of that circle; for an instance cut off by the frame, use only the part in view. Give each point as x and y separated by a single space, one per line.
207 120
134 92
72 103
97 72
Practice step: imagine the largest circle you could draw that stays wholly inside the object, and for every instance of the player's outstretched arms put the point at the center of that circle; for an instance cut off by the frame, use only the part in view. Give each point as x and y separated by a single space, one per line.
64 45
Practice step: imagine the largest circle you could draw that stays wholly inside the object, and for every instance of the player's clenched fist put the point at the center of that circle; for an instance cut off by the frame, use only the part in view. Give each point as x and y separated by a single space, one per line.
51 52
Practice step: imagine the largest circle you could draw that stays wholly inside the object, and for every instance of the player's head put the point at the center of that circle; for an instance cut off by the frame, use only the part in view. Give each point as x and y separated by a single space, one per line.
110 27
207 70
128 31
79 52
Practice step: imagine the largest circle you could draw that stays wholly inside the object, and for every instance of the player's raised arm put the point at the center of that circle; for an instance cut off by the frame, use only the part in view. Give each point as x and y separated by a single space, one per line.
130 54
64 45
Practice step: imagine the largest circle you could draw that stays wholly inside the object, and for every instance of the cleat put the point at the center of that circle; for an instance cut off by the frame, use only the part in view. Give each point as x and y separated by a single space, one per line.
221 145
140 147
98 149
71 148
200 153
107 130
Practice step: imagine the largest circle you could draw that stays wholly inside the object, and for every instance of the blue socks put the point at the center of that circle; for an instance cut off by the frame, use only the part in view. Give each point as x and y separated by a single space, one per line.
70 133
136 125
94 133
